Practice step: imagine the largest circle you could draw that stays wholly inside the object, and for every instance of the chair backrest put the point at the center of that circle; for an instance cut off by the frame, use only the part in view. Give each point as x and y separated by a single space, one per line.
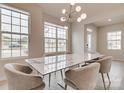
18 67
19 76
84 77
105 64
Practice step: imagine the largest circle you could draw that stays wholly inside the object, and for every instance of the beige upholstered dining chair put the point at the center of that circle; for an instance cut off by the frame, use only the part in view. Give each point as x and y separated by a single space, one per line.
20 77
82 78
105 66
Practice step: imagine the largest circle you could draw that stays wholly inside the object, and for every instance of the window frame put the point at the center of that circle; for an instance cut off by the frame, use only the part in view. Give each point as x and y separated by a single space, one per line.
56 38
116 40
14 33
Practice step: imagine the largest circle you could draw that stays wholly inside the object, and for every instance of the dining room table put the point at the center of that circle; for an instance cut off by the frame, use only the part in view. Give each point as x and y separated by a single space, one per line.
47 65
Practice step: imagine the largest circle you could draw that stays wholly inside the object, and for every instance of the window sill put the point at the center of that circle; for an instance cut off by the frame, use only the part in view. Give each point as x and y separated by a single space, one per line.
13 58
114 49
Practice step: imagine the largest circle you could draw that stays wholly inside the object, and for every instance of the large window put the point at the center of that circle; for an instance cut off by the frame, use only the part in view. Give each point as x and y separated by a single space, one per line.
55 38
114 40
14 33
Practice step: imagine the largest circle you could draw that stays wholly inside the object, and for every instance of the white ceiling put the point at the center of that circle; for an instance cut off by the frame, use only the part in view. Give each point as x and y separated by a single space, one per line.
105 22
97 13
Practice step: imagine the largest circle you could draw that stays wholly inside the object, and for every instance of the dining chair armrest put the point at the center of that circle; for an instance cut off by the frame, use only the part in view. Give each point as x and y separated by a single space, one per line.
27 81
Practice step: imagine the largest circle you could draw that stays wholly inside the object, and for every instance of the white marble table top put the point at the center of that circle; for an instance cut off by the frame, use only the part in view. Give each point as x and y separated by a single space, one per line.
49 64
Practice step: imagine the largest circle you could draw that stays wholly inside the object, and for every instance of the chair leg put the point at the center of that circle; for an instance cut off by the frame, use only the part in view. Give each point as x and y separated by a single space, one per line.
109 78
103 81
65 86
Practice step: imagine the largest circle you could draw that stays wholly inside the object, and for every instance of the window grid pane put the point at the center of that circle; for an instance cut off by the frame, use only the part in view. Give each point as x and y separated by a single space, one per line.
15 14
15 29
6 41
5 27
50 31
61 45
15 21
14 33
114 40
5 19
5 11
61 33
50 45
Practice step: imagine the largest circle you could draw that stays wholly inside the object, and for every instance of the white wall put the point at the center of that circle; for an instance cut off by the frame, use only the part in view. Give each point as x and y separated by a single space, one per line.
77 38
102 41
93 37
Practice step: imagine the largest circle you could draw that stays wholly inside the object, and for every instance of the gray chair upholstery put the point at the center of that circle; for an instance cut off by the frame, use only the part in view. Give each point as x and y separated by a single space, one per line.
105 66
20 77
82 78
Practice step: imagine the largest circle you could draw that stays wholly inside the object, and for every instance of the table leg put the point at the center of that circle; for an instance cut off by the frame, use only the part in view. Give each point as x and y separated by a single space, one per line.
49 78
62 86
61 83
61 74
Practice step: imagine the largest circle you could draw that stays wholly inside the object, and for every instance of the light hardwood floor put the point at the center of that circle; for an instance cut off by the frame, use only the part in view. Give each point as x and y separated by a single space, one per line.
116 76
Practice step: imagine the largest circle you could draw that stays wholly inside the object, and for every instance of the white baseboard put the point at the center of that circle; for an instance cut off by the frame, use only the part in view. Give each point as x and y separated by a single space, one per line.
118 59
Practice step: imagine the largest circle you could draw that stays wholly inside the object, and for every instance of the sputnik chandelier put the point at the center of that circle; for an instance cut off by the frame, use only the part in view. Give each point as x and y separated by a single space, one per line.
72 14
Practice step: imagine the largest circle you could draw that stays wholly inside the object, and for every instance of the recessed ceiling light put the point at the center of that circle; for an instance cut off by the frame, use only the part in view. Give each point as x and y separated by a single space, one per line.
109 20
89 30
72 3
